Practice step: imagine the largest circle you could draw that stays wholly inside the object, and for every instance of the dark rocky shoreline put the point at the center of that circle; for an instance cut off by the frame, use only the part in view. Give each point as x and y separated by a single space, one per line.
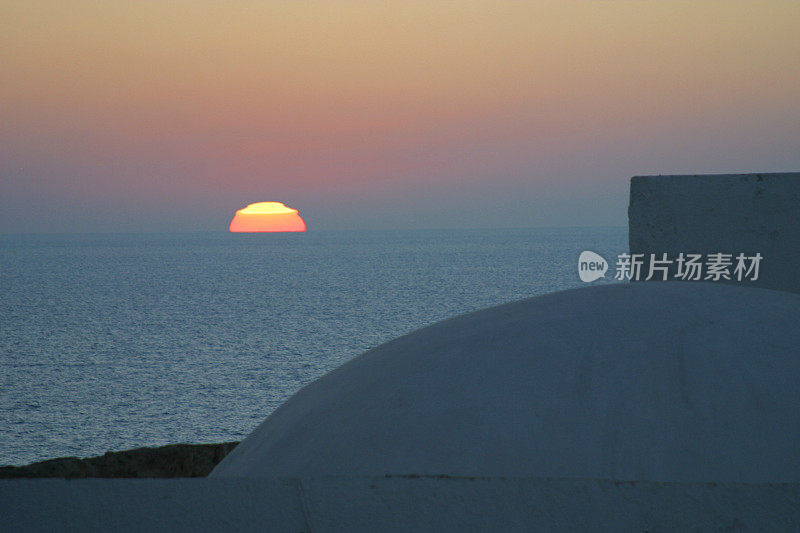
174 460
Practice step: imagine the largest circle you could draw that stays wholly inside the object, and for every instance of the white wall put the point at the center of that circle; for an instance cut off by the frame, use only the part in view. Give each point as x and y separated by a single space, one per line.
393 504
728 213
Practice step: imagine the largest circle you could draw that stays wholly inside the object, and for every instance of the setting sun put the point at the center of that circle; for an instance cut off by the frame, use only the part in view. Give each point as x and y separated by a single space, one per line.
266 217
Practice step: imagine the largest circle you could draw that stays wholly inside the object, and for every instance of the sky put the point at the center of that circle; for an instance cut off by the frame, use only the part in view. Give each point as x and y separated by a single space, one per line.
140 116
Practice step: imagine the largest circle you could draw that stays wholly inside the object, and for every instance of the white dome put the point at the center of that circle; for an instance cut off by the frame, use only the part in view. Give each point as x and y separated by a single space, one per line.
644 381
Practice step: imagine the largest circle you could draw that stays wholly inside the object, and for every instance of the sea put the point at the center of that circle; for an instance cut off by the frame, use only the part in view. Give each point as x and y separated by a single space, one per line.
117 341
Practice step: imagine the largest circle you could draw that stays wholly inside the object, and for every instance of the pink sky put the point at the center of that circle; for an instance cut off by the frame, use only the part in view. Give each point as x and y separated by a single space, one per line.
169 116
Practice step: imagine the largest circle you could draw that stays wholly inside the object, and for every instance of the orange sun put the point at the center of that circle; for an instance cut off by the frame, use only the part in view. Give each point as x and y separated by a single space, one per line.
266 216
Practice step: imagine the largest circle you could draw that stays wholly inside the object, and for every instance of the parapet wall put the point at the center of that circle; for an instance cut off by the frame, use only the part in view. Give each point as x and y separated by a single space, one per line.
723 213
394 503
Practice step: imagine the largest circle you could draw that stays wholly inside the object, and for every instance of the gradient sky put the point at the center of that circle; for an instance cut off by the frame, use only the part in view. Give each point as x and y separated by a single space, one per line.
169 116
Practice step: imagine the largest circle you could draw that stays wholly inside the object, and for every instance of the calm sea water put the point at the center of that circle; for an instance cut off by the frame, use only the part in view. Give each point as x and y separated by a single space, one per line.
110 342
